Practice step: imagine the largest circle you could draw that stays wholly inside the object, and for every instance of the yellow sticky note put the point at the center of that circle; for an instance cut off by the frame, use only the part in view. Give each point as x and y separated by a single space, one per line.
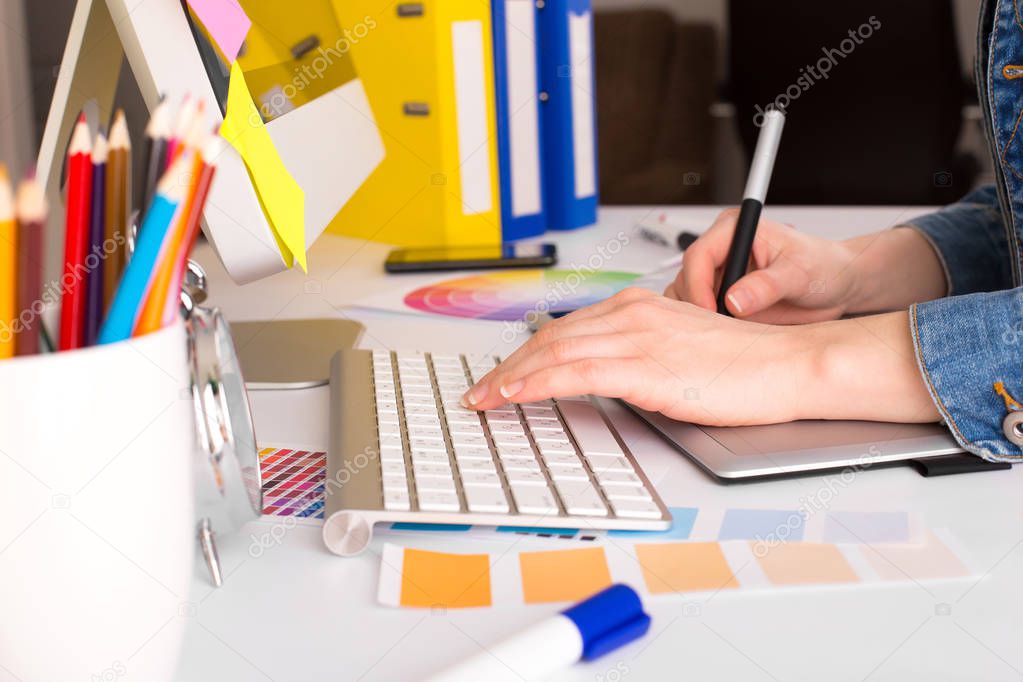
440 580
282 198
563 575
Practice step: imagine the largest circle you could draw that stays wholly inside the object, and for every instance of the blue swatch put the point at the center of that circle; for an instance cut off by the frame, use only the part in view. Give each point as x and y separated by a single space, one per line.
866 527
682 520
429 526
762 524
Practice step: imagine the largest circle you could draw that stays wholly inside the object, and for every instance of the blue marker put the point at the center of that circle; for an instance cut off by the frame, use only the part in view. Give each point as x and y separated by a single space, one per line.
588 630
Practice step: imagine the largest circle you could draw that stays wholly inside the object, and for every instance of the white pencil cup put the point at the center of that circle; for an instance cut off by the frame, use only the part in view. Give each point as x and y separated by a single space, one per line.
98 522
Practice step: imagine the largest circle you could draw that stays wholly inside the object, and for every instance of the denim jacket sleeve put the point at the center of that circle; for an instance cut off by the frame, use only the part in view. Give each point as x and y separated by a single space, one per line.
974 338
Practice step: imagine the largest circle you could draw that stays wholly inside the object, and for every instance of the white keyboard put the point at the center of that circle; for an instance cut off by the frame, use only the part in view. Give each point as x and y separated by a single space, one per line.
547 459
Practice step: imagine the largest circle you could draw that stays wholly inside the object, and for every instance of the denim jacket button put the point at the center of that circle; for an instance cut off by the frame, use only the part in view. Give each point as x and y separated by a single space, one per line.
1012 426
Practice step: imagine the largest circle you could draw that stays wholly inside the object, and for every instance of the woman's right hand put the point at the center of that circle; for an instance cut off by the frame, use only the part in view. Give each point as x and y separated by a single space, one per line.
796 278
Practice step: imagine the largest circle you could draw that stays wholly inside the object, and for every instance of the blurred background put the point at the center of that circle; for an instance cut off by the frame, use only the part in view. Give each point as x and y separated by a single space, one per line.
881 97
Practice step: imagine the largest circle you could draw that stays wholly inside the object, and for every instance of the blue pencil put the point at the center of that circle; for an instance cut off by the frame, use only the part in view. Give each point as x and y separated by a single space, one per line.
138 275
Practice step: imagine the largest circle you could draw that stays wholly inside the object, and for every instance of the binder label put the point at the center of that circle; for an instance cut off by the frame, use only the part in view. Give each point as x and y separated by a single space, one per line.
471 116
580 39
523 114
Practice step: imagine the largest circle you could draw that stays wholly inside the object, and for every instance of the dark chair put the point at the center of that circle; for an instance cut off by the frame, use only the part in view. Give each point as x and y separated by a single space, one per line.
882 127
655 85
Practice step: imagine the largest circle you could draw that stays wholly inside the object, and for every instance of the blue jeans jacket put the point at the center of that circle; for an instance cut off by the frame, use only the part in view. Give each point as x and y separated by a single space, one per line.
974 338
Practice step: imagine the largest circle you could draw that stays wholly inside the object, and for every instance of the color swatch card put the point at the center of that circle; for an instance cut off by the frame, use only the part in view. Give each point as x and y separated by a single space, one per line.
417 578
507 296
293 483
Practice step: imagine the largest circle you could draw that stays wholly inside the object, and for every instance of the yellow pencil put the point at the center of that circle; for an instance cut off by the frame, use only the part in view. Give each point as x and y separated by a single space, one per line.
8 262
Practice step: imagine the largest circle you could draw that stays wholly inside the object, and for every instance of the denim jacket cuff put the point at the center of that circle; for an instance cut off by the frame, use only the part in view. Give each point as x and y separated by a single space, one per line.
963 346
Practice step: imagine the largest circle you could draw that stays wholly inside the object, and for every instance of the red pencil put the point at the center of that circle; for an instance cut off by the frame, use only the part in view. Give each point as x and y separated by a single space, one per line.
74 280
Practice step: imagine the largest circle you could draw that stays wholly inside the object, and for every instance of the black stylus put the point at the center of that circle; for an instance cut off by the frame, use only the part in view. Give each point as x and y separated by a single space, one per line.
752 204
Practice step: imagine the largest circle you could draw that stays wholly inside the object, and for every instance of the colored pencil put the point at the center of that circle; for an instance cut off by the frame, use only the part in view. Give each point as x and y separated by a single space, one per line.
151 243
182 124
8 265
97 233
73 279
30 208
118 204
151 316
157 134
210 153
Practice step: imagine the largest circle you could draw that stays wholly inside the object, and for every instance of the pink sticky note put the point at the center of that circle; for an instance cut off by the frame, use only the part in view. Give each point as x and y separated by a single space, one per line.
226 23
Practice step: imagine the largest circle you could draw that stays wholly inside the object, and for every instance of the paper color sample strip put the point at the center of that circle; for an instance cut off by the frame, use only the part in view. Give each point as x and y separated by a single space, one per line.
293 482
563 574
281 197
226 22
417 578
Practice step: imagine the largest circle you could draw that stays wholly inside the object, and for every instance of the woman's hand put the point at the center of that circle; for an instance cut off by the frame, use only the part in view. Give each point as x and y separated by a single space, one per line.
798 278
694 365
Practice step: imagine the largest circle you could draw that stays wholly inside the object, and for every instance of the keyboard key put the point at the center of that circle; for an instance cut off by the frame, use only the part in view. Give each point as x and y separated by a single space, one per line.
516 478
429 501
589 429
556 460
430 431
472 452
431 470
534 500
388 417
393 468
392 455
532 410
544 424
476 465
512 450
423 419
396 500
607 463
477 441
506 427
430 457
466 430
461 417
635 509
547 448
569 474
552 438
628 493
390 441
428 409
580 497
609 479
392 482
494 416
417 392
435 484
419 443
387 405
477 478
486 499
510 439
389 428
518 464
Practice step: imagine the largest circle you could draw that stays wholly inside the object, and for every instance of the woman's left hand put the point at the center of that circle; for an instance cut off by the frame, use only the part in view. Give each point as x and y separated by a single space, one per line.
660 355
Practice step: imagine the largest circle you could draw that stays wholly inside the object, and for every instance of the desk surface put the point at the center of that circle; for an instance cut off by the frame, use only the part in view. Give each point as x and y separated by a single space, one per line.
297 612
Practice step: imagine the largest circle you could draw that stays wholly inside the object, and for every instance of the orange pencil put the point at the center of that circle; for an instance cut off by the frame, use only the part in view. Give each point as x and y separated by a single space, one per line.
74 280
8 266
210 153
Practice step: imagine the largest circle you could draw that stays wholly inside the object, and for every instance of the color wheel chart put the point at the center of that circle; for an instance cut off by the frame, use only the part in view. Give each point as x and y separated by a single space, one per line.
510 295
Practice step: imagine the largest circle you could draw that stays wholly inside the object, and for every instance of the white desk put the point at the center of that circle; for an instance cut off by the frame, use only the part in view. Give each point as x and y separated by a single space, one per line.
300 613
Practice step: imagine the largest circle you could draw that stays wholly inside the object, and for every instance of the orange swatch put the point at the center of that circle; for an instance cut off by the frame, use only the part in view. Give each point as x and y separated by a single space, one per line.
439 580
563 575
685 567
921 562
803 563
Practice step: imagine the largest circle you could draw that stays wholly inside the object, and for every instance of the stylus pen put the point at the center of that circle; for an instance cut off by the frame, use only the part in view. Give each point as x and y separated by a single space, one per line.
752 204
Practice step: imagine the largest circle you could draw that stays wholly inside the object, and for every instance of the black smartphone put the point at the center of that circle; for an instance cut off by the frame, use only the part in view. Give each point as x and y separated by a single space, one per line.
471 258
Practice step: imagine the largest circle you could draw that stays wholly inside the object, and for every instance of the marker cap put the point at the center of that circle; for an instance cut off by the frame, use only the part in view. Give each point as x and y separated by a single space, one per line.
608 620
